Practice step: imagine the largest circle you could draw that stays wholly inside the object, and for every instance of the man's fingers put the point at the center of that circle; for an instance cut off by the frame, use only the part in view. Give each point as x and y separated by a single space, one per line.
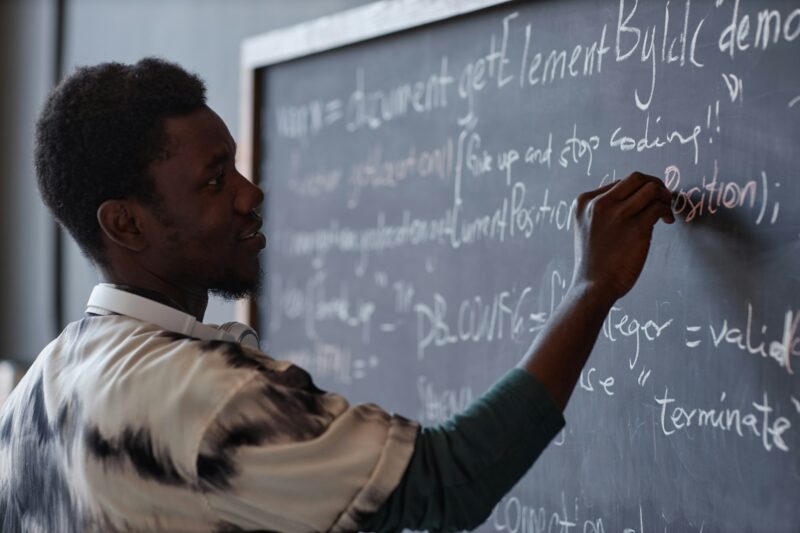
655 210
638 196
652 190
587 196
630 185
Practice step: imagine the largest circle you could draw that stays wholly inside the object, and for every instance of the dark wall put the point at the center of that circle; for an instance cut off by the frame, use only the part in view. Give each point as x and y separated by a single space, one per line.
26 231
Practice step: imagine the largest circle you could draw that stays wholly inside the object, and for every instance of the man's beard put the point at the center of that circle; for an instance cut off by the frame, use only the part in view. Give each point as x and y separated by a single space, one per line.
229 286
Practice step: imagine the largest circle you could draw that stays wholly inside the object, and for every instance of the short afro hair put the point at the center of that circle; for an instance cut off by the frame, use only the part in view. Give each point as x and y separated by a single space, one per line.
98 133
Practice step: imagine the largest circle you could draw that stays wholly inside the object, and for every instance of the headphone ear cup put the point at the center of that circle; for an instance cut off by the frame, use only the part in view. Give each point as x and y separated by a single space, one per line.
242 333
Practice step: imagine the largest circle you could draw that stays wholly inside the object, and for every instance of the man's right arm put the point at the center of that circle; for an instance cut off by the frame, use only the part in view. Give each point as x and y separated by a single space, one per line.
460 469
614 226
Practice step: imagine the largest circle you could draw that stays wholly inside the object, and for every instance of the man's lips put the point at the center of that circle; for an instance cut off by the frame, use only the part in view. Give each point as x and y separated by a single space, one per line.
254 241
251 232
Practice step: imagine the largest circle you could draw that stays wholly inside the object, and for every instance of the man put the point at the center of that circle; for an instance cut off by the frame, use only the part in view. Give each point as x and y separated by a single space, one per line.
125 424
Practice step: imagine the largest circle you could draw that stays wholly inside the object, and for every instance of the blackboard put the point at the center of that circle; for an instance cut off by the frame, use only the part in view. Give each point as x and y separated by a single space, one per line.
420 187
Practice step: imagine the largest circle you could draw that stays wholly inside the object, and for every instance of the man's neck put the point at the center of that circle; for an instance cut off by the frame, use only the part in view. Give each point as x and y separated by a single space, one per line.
149 294
159 291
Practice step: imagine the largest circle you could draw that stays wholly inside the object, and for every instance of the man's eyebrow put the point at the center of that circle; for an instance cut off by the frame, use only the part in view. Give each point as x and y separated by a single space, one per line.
218 159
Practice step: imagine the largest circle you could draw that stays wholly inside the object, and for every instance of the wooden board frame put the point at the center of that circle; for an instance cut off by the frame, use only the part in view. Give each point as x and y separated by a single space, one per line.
326 33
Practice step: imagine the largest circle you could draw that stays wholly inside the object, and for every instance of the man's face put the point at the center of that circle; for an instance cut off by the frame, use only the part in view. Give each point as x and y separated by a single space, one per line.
204 224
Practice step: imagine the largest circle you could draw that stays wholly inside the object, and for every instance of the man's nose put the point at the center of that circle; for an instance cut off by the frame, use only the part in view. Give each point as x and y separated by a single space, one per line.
248 197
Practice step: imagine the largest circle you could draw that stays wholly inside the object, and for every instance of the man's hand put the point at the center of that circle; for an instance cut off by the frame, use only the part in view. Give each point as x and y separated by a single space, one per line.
612 238
613 232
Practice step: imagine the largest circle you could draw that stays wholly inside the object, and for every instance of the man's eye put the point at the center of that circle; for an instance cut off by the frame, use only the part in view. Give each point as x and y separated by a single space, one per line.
217 181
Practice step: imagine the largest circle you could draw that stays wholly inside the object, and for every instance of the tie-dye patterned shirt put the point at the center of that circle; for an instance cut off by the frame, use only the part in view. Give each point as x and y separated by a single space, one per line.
122 426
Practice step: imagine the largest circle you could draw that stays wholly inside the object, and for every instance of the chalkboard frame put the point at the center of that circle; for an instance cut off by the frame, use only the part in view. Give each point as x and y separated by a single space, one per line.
319 35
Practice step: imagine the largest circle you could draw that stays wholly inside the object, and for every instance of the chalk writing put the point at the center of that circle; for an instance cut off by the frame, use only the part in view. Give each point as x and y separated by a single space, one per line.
438 405
475 319
735 86
714 194
514 516
540 68
771 27
629 40
753 421
314 304
372 108
618 325
298 121
647 142
586 382
377 171
315 183
751 338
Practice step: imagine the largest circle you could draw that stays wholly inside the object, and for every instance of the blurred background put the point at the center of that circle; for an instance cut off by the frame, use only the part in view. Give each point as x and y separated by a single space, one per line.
44 279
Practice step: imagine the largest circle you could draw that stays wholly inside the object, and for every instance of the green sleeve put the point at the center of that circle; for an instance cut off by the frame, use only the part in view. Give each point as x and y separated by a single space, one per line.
462 468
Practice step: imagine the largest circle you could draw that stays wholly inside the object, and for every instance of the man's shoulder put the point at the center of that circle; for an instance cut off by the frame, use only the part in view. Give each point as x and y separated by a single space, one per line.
131 374
119 350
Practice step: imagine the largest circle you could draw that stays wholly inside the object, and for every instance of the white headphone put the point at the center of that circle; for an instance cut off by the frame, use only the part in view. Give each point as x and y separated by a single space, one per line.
107 299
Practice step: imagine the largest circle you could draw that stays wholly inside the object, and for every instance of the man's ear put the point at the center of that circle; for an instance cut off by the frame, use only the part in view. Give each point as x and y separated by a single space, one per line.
121 222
